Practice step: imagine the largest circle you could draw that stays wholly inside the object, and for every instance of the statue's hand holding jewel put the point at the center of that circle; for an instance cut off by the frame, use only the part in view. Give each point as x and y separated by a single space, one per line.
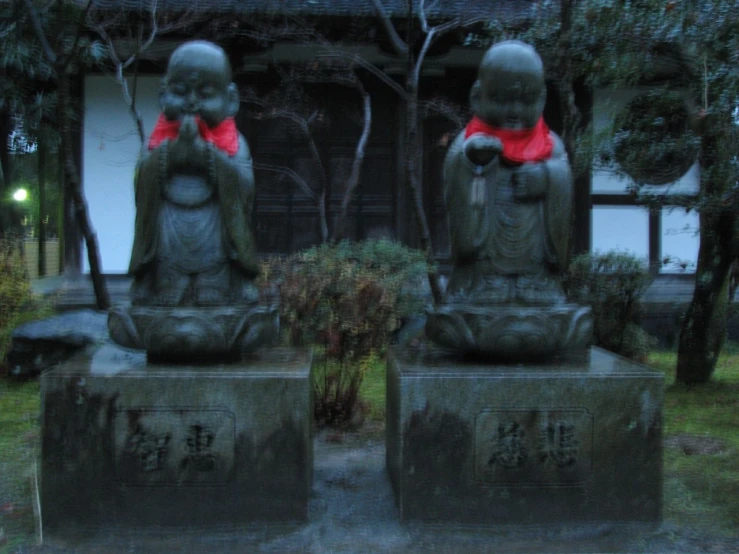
481 149
530 181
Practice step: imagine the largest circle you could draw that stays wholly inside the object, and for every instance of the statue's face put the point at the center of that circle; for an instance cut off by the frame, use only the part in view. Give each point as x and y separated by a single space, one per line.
510 92
198 83
510 98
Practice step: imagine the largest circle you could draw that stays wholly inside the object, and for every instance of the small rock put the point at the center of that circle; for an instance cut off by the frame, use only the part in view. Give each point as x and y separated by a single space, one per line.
38 345
692 445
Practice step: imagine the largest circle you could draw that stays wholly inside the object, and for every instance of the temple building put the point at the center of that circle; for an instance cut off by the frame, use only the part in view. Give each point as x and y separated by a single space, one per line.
294 168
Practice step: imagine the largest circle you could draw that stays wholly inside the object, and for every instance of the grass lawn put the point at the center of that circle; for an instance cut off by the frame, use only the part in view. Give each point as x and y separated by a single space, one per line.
19 448
372 390
701 488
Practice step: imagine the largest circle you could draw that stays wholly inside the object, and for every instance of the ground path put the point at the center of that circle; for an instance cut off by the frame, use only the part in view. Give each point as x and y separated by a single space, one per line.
352 511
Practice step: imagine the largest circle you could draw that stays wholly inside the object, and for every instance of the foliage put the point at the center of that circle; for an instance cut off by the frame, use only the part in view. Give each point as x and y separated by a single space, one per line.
348 298
612 284
17 303
652 139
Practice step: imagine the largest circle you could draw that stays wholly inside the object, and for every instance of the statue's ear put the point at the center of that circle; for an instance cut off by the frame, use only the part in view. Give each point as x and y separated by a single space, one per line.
234 100
475 97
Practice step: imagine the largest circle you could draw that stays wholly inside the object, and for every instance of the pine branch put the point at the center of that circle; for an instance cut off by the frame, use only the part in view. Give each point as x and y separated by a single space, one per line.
40 34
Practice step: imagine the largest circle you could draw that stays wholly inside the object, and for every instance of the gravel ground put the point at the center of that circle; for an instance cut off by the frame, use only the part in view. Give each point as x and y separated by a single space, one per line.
352 511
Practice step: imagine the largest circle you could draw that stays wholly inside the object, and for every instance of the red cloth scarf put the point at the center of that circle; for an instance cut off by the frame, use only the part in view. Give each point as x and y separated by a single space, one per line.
224 136
519 145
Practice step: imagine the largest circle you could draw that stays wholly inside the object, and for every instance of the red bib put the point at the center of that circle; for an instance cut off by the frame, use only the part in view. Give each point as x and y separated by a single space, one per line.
224 136
519 145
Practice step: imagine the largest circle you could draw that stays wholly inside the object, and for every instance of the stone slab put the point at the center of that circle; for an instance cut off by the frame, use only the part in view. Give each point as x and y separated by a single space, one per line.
575 440
127 442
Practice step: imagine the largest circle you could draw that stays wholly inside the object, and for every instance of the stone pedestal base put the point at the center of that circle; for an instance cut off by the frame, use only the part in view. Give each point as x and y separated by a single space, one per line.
575 440
126 442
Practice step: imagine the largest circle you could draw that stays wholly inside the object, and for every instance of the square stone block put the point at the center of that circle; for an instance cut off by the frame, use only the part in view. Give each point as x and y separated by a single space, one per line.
570 441
129 443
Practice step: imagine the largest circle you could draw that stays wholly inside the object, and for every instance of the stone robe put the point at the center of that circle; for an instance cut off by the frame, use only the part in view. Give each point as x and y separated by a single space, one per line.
497 239
193 223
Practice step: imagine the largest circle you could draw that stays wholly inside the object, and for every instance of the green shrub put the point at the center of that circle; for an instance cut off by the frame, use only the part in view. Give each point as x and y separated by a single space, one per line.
347 298
612 283
17 303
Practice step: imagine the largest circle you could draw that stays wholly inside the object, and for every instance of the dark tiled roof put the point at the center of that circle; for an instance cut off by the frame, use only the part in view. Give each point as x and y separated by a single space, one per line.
395 8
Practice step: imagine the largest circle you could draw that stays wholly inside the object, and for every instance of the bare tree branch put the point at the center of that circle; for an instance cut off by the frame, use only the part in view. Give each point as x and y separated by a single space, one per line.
315 154
353 180
400 47
304 187
455 113
422 14
422 55
120 66
368 66
304 124
271 111
459 23
149 41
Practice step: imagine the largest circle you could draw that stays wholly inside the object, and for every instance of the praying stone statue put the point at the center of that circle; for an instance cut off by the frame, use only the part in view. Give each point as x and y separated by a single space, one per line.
194 256
508 189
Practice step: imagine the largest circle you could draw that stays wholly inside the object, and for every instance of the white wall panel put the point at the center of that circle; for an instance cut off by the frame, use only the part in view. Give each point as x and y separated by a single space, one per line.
622 228
680 239
111 147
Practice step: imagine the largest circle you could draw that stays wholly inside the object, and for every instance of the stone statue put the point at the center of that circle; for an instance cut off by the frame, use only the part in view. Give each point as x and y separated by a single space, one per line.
193 243
508 189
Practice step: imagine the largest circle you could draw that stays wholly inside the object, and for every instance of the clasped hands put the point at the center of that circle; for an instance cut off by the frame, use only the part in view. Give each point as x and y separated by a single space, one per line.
529 179
188 150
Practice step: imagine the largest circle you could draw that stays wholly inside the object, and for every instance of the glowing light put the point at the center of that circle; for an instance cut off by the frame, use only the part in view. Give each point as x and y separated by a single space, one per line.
20 195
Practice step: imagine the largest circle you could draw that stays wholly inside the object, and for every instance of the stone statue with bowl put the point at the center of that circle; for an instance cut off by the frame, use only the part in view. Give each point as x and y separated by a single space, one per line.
508 189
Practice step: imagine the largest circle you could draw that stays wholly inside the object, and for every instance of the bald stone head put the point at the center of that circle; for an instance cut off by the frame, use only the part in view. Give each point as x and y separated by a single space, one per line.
510 92
198 82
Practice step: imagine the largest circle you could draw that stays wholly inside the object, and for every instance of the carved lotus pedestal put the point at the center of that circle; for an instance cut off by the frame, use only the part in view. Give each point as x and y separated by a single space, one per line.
511 333
187 334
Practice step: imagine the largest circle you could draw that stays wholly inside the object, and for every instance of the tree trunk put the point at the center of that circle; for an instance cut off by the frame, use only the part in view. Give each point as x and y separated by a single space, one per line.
353 181
73 183
6 127
412 155
704 328
41 203
316 155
